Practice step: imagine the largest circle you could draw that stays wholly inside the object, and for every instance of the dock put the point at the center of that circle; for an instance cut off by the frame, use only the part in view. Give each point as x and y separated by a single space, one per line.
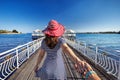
25 70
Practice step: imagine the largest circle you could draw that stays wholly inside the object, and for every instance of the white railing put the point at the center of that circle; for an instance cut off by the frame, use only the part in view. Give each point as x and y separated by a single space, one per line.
14 58
109 63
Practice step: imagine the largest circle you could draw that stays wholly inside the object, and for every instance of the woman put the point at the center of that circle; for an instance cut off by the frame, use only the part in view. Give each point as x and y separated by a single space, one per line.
51 46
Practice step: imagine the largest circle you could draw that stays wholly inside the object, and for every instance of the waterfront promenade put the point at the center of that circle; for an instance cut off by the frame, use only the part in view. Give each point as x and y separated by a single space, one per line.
25 70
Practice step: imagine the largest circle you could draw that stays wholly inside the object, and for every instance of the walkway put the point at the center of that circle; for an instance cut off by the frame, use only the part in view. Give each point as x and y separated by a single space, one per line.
26 71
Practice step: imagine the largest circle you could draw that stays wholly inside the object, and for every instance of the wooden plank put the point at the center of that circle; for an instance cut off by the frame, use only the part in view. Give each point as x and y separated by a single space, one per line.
71 72
24 72
32 75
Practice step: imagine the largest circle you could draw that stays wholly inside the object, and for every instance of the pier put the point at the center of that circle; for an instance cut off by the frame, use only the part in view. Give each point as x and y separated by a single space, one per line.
19 63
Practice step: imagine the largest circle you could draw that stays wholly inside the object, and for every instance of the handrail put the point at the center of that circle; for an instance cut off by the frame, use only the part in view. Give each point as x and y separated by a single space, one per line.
14 48
98 56
12 59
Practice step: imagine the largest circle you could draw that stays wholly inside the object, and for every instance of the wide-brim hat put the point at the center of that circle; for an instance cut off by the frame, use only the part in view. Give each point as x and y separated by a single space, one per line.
54 29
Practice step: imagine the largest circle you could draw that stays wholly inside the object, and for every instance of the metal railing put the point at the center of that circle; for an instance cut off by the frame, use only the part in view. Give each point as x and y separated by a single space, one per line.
110 63
12 59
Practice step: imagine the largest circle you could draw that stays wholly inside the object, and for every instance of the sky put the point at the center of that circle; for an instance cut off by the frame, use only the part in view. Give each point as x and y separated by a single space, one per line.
78 15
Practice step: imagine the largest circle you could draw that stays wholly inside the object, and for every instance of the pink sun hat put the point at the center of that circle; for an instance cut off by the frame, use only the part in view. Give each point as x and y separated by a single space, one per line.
54 29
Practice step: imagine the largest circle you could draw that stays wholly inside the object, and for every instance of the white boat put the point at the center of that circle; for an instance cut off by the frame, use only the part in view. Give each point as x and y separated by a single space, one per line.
70 34
37 34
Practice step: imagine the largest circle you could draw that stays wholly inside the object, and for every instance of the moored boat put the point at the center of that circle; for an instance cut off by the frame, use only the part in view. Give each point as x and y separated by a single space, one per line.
37 34
70 34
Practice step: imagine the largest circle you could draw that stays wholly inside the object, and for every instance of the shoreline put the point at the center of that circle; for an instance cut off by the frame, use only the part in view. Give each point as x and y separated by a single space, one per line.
11 33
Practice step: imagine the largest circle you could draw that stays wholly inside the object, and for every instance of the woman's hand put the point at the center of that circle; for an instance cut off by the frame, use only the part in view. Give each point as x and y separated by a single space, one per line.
82 67
88 67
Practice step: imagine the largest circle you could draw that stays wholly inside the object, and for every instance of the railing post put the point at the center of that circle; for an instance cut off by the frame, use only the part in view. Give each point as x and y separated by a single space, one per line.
34 45
96 52
40 43
85 46
119 70
78 45
28 51
17 57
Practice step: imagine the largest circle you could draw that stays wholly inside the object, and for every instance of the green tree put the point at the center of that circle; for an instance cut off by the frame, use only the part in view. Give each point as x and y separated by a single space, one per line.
119 32
14 31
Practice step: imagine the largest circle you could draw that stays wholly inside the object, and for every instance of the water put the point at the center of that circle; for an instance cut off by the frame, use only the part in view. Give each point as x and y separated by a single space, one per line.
9 41
99 38
108 42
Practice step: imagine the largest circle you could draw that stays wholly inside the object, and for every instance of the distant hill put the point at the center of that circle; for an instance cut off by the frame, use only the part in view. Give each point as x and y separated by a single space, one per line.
9 32
108 32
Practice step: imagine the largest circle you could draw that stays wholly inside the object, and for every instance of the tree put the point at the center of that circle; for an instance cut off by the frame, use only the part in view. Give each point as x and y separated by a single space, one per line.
119 32
14 31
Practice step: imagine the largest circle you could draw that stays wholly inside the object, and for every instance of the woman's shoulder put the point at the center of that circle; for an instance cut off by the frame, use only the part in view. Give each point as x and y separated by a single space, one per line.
62 40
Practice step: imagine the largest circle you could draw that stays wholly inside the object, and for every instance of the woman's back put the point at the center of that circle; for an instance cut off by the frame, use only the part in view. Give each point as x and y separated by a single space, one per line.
53 66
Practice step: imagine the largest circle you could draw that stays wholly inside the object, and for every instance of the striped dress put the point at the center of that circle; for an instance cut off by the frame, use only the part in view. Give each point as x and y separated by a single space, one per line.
53 66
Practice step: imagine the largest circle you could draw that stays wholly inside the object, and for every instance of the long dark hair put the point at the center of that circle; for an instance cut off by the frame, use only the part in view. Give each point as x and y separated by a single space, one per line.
51 41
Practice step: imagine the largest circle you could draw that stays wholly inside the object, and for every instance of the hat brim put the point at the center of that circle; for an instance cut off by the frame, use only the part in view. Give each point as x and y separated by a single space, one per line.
57 32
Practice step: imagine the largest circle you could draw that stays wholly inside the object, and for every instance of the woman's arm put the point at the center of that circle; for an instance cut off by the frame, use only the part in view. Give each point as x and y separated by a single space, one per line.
39 59
69 52
82 66
78 63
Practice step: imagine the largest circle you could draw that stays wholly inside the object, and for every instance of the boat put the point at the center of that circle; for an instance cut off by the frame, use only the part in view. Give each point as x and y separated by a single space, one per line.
70 34
37 34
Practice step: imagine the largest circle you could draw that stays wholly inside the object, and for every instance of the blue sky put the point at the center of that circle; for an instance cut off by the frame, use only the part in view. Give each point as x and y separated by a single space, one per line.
79 15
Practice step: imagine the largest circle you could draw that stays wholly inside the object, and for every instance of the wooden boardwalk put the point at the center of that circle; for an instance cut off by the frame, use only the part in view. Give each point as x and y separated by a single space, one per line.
26 71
